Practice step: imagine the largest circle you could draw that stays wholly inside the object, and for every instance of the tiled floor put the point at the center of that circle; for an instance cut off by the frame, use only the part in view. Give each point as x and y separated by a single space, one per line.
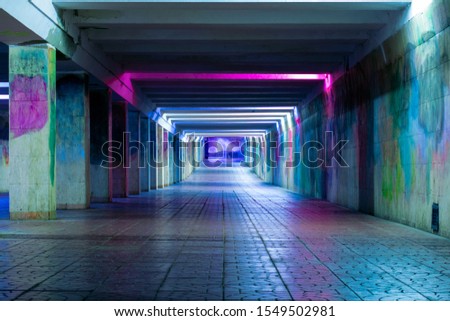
221 235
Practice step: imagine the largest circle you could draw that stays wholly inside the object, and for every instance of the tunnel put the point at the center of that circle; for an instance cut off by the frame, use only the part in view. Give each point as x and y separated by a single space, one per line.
224 150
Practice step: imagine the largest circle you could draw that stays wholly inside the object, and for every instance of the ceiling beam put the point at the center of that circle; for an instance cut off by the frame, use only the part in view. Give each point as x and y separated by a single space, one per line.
229 100
227 97
199 15
225 34
304 4
227 47
214 64
220 92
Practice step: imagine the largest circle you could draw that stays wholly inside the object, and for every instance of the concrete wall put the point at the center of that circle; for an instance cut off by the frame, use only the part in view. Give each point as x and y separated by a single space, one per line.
4 149
392 108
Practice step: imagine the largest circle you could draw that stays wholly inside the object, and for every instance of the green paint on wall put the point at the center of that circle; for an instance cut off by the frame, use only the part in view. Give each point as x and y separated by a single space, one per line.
52 113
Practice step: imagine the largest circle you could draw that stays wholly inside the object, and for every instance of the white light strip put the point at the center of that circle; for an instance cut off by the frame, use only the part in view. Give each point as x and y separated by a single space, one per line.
4 97
230 108
220 134
4 84
171 115
231 130
200 132
224 119
225 130
245 122
232 135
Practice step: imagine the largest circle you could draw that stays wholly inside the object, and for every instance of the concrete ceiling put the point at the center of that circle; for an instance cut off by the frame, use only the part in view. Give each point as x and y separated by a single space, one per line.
150 39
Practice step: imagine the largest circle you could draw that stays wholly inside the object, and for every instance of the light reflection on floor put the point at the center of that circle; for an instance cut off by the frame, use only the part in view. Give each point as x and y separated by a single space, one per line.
221 235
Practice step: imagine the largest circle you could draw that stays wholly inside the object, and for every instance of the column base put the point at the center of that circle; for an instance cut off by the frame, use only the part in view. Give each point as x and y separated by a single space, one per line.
32 216
72 206
100 200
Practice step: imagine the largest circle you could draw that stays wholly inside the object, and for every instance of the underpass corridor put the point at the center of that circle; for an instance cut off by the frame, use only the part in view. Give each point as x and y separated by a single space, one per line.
222 234
114 113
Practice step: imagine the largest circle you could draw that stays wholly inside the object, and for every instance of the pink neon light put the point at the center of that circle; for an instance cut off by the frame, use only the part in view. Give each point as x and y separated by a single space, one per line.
328 82
223 76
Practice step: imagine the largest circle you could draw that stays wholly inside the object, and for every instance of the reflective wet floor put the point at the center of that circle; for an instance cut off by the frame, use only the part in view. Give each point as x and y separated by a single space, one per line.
221 235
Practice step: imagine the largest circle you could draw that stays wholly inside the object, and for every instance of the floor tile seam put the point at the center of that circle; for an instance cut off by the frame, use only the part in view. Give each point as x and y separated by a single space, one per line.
268 253
313 253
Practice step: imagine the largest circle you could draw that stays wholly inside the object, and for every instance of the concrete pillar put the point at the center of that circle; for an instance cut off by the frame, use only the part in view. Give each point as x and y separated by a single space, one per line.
72 142
166 158
119 129
272 156
144 168
32 132
176 158
153 154
4 148
182 153
170 164
187 153
101 137
160 155
134 185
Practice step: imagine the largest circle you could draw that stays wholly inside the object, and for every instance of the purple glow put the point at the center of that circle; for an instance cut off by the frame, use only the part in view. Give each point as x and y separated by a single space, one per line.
224 76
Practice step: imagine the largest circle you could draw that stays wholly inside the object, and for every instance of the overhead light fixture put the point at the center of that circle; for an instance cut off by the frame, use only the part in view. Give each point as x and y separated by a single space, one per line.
224 76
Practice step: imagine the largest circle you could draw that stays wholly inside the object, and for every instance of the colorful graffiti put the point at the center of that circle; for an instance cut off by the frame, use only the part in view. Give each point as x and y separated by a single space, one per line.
392 109
29 105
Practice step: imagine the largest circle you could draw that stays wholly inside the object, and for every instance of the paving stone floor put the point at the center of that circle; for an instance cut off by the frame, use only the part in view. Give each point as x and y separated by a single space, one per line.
221 235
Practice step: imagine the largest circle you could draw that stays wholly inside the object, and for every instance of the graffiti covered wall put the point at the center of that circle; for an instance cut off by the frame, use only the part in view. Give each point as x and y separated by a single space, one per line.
392 108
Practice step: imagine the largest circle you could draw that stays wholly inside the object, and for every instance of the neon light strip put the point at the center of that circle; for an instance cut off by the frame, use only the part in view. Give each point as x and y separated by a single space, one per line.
229 135
4 84
173 116
229 118
170 115
241 122
199 109
201 132
211 134
225 132
4 97
224 76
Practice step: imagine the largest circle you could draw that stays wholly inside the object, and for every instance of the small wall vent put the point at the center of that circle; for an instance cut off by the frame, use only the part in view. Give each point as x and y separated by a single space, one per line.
435 218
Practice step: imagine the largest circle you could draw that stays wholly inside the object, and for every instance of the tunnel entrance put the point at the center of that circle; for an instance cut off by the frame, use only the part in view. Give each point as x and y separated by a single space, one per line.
224 151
